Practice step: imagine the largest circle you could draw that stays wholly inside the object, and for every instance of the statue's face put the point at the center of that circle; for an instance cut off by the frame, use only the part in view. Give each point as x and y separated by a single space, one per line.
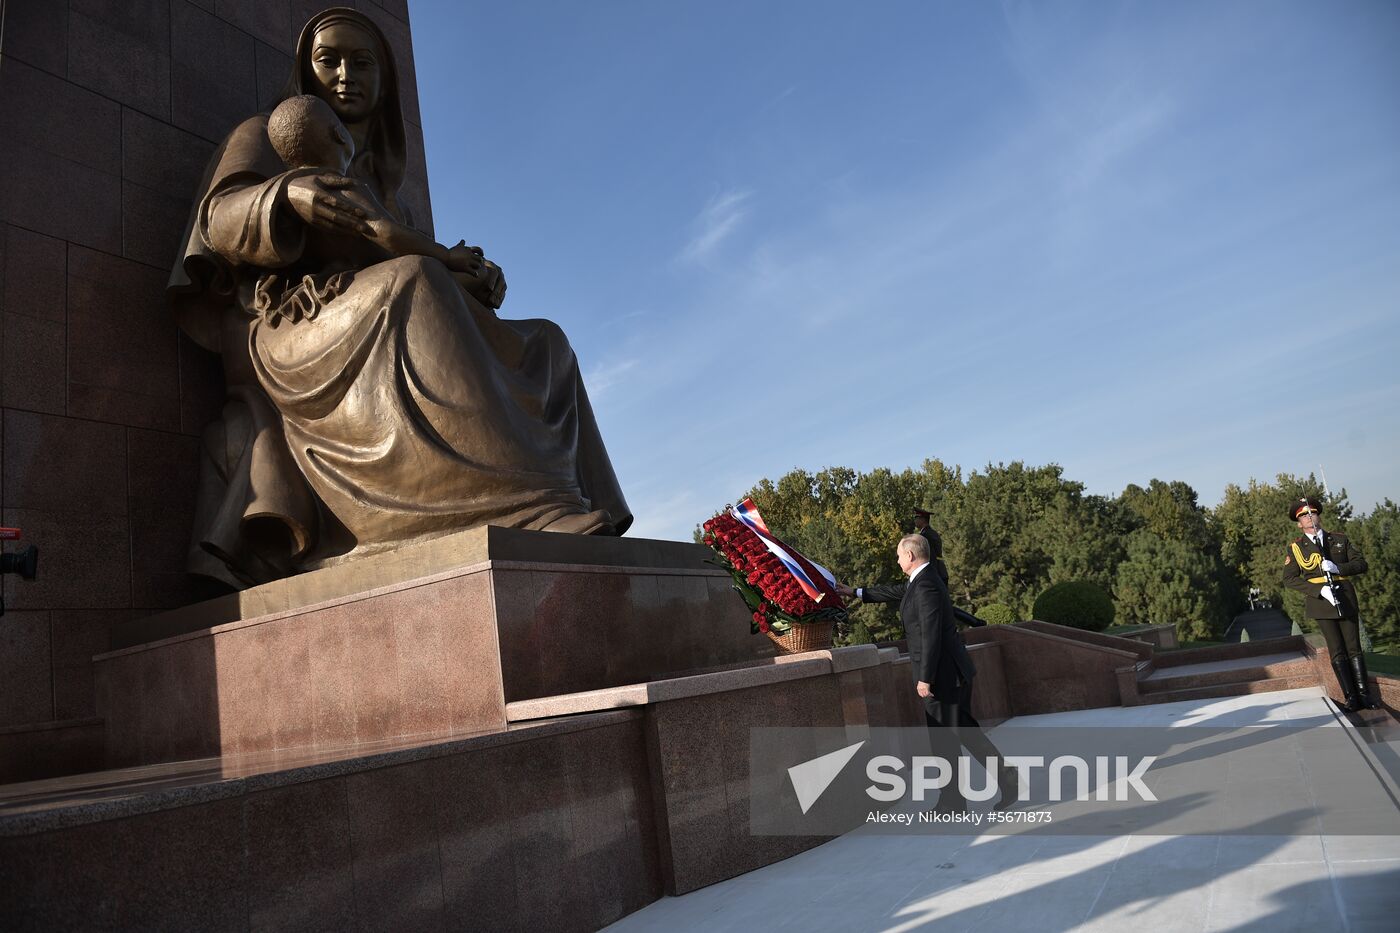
347 72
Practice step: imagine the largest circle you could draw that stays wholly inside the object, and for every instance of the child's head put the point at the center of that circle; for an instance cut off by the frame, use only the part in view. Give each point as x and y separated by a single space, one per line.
307 134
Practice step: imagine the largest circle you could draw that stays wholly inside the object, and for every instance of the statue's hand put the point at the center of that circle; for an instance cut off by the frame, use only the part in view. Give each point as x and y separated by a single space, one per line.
465 259
493 283
485 282
316 202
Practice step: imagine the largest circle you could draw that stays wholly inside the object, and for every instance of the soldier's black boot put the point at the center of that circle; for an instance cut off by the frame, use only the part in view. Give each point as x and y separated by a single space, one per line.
1347 681
1363 683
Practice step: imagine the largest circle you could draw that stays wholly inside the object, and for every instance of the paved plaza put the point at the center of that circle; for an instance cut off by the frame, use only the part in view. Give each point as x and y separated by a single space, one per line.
1298 877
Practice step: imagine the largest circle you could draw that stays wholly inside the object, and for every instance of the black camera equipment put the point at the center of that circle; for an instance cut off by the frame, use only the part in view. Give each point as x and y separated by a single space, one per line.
25 562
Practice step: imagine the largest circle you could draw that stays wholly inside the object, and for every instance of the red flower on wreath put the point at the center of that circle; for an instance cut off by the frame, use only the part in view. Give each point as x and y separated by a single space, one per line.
774 596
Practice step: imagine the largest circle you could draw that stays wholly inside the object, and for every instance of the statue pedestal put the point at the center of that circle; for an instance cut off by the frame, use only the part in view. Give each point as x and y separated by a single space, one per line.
435 638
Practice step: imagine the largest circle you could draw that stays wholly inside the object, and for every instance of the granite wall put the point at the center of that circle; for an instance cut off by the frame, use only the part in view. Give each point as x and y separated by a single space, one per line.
109 110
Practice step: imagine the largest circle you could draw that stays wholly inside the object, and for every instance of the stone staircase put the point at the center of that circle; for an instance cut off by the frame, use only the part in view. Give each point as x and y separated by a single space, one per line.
1224 671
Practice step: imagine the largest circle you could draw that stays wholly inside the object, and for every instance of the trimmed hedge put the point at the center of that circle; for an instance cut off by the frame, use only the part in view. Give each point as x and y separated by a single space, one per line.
1077 604
997 614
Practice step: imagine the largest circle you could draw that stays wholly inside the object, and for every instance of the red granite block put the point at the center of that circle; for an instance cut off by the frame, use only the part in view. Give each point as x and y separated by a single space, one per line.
576 615
273 68
332 706
36 32
373 671
153 223
25 671
515 595
300 874
63 464
286 684
855 701
201 386
192 873
121 50
213 72
161 468
118 406
33 364
991 700
394 841
35 275
688 784
545 898
267 20
472 688
479 811
58 118
85 560
160 156
58 196
43 750
78 635
612 860
121 336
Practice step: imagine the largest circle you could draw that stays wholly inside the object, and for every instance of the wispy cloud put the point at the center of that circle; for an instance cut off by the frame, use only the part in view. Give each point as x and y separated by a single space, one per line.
1130 126
715 223
608 375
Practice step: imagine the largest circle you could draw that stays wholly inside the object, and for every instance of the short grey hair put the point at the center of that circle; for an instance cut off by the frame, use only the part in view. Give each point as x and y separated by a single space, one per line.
916 546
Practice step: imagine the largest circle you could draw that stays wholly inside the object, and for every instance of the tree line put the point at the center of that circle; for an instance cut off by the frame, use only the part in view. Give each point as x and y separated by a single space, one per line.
1010 531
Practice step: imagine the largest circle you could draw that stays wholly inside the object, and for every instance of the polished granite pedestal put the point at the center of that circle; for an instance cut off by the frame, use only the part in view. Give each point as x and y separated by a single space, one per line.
584 808
433 638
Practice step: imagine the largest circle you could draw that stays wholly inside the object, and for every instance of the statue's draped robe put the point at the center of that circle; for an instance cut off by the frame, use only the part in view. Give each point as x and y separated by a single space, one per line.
371 400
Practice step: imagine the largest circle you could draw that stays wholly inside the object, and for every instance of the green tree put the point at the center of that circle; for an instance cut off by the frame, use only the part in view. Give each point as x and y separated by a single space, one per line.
1010 531
1001 534
1170 511
1076 603
997 614
1253 528
1377 536
1164 580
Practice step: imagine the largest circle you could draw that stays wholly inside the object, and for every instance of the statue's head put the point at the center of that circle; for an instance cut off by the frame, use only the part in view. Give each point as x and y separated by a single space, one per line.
306 133
343 57
346 66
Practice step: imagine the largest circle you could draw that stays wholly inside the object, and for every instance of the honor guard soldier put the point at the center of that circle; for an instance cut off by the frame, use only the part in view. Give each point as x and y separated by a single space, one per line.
1319 564
935 543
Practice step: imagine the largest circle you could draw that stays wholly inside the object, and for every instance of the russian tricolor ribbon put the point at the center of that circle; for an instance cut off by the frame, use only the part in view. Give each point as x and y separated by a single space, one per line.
816 581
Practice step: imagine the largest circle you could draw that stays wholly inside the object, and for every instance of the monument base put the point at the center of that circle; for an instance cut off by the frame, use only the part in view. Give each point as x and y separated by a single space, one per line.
568 822
436 638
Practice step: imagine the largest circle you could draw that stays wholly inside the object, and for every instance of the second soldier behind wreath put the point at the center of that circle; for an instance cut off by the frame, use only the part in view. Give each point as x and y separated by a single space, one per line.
935 543
1312 557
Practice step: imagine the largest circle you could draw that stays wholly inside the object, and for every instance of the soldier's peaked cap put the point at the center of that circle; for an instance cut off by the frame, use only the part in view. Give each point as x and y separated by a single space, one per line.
1304 502
924 512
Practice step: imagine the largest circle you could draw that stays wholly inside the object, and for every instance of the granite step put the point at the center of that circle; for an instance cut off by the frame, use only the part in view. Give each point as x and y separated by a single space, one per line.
1233 689
1163 680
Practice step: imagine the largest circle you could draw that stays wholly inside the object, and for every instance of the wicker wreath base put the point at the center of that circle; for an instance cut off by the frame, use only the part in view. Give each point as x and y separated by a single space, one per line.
809 636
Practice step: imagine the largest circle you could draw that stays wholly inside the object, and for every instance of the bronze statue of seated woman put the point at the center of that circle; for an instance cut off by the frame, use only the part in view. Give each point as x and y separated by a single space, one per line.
374 397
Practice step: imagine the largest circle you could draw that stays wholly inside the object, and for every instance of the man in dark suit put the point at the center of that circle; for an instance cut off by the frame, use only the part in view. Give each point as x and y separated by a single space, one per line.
1319 564
940 663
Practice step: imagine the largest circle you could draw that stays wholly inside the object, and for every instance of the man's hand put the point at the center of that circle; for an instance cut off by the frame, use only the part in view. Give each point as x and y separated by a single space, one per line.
844 591
923 690
1330 567
1328 595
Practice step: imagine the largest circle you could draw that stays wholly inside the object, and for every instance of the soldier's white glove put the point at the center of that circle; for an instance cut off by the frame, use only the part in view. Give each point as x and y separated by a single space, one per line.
1330 567
1328 595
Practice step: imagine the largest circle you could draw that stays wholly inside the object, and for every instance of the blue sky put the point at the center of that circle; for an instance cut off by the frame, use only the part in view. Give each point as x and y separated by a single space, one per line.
1136 239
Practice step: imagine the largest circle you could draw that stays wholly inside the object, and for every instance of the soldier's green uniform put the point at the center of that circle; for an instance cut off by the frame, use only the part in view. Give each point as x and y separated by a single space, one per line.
1304 571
